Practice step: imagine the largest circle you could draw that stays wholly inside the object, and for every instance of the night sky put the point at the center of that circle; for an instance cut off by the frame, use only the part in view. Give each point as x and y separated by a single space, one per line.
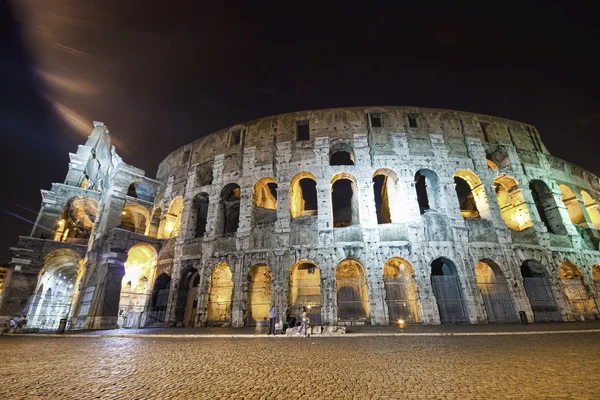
161 74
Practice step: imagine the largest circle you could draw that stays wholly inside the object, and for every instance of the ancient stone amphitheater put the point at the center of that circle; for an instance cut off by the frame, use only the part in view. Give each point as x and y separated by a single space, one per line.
363 215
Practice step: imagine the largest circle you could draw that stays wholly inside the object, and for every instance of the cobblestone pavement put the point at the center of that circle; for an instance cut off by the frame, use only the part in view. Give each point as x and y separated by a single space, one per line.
561 366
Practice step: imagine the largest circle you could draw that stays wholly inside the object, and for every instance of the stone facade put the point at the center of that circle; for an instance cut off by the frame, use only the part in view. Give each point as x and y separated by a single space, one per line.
356 213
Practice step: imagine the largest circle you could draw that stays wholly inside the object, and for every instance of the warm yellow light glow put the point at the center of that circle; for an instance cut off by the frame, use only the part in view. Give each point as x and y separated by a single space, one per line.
61 222
400 322
124 213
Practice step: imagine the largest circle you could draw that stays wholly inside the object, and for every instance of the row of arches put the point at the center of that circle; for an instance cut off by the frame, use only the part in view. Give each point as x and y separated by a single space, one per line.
401 295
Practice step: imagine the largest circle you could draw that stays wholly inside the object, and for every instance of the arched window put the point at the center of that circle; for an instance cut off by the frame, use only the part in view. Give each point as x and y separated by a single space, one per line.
135 218
259 294
141 190
159 298
229 209
305 290
539 292
77 220
428 189
341 154
401 293
352 292
384 190
344 199
513 208
448 292
204 174
546 206
264 201
592 208
582 304
303 195
572 203
495 292
199 214
220 294
471 195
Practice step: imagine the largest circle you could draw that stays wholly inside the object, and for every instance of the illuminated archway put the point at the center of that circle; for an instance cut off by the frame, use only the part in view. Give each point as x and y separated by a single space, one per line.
305 290
571 278
135 218
495 292
401 293
448 292
351 291
341 154
135 285
259 294
220 292
344 200
385 192
513 208
264 201
572 203
77 220
592 208
54 290
539 292
173 218
471 195
303 195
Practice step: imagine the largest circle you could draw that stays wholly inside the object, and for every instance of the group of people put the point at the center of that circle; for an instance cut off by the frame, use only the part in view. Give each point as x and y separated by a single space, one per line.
291 321
16 322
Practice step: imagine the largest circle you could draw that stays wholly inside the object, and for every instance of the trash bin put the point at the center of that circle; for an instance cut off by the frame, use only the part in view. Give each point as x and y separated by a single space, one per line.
62 325
523 317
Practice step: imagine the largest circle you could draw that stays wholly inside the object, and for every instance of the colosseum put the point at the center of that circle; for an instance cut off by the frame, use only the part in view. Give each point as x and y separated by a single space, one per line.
376 215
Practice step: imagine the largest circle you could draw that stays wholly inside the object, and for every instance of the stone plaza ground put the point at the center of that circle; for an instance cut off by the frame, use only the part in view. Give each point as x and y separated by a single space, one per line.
532 366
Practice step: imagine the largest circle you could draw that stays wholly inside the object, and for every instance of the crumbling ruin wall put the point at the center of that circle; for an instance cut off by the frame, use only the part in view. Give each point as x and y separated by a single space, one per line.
441 244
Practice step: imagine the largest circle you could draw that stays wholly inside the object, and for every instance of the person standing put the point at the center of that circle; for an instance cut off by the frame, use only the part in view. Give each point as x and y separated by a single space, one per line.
272 316
304 321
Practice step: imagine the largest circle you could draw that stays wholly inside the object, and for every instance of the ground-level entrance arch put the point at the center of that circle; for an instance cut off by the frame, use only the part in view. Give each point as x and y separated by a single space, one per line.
448 292
539 292
259 294
401 294
494 290
351 292
305 290
220 292
582 304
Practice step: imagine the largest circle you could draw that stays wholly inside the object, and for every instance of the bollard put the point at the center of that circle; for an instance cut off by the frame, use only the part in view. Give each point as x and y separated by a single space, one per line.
62 325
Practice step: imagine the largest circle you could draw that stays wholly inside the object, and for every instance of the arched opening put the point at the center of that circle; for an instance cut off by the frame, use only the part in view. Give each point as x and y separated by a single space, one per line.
264 201
341 154
401 293
159 299
220 292
572 203
187 297
135 218
471 195
259 294
448 292
596 278
303 195
495 292
547 208
427 185
344 199
592 208
305 290
139 271
384 189
491 164
229 210
513 208
582 304
351 291
539 292
204 174
200 214
173 218
141 190
77 220
54 293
